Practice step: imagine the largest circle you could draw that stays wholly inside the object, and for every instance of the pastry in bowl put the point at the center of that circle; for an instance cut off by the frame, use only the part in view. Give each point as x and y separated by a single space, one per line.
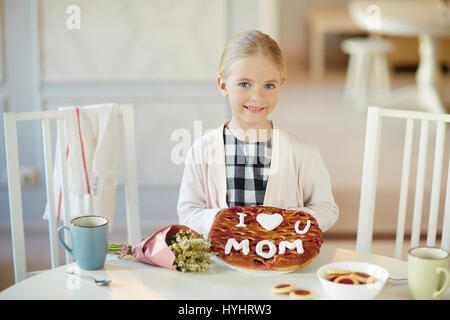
367 280
265 238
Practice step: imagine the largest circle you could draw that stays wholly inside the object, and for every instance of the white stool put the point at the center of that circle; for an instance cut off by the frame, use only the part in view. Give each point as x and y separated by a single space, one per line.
367 79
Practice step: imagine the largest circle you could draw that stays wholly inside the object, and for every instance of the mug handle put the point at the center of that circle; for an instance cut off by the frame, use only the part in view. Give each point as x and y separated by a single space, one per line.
446 283
61 239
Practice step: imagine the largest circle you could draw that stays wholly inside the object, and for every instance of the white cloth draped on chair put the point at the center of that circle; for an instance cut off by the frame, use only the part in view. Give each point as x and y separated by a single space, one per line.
92 159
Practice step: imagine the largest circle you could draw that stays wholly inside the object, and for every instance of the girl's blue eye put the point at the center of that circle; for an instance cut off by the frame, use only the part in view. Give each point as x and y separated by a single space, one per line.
244 84
270 86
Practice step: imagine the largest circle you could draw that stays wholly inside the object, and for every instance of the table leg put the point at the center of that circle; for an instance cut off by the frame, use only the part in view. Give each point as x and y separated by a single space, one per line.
428 75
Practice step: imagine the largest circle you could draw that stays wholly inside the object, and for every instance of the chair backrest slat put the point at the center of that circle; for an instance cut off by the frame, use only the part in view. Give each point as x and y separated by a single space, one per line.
406 168
420 183
369 179
64 187
131 180
15 197
436 183
445 240
370 171
48 155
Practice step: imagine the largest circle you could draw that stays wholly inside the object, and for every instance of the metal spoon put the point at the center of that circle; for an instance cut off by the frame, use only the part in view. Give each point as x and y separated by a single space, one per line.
400 279
97 282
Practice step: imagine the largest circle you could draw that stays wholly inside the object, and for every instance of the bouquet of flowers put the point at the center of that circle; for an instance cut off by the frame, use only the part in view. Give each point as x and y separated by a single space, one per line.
174 247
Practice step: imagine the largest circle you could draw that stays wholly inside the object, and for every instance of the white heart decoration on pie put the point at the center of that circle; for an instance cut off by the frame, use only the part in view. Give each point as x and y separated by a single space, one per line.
269 221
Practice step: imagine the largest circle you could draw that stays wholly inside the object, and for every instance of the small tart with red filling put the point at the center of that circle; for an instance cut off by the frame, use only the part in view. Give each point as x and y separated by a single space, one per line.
347 279
363 277
332 277
337 272
301 294
283 288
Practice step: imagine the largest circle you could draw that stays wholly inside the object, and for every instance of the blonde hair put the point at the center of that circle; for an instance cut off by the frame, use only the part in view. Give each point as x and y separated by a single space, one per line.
248 43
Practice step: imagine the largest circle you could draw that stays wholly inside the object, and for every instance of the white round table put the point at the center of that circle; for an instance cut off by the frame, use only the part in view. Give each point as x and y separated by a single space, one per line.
134 280
425 19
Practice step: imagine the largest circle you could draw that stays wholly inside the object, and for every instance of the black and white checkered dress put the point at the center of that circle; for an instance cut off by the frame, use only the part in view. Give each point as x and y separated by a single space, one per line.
247 166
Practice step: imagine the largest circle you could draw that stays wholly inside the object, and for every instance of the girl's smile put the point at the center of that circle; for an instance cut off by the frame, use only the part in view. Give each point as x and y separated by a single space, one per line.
254 109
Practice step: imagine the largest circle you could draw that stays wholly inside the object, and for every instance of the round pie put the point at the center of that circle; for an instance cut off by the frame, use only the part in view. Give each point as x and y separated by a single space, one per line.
265 238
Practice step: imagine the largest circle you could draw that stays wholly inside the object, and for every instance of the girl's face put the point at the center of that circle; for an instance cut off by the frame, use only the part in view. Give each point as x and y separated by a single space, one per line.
252 88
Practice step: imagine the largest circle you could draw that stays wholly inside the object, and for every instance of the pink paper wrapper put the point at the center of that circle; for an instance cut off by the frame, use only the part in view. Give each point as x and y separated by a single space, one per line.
154 249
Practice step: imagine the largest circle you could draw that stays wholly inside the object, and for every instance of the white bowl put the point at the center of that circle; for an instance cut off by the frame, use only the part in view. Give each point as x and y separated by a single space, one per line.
353 292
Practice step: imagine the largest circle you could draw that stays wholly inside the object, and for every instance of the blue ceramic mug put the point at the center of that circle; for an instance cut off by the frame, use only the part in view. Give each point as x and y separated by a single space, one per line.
89 241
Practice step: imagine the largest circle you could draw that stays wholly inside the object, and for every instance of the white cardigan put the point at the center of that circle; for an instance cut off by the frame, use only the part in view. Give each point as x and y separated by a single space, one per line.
298 180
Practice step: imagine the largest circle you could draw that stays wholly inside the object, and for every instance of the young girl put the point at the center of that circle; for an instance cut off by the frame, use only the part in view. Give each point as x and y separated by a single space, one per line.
249 161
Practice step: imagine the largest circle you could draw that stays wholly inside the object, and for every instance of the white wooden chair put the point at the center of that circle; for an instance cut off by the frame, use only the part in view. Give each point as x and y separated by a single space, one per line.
15 194
370 172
